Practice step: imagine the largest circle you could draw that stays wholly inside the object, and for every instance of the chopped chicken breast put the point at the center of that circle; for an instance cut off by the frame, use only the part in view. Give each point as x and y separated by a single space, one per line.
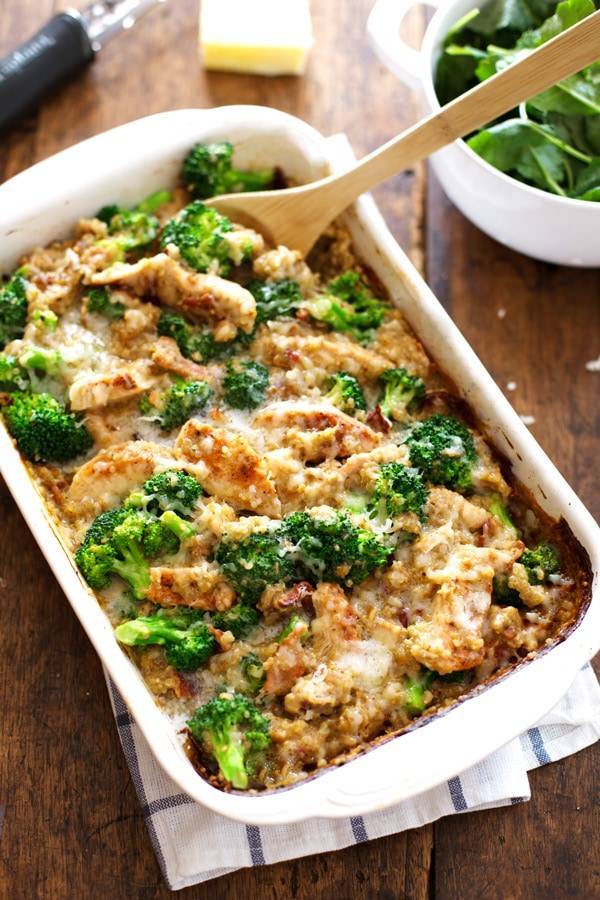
315 432
90 391
200 296
229 467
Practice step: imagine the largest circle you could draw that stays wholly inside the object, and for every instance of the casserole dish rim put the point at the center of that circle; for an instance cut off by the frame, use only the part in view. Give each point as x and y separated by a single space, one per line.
370 781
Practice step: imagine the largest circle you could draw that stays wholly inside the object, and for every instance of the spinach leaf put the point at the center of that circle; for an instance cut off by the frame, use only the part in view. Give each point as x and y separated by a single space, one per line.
557 137
505 20
517 148
455 74
574 96
587 184
582 132
567 13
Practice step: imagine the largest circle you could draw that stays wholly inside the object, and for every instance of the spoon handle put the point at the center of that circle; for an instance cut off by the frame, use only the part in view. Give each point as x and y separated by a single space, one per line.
567 53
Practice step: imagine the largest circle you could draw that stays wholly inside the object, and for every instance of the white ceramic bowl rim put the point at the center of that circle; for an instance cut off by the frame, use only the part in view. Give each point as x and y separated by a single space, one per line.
437 29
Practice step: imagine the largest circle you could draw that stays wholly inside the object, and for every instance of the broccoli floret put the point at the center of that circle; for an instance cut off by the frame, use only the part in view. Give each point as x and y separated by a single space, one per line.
132 229
403 393
253 563
240 620
398 489
198 232
208 171
442 448
44 430
275 299
127 542
332 549
199 345
497 507
188 642
253 672
193 343
179 403
540 562
245 384
502 594
46 318
462 678
13 377
346 393
115 544
173 490
100 300
301 548
348 305
295 623
13 308
47 362
160 540
103 525
179 527
232 729
416 687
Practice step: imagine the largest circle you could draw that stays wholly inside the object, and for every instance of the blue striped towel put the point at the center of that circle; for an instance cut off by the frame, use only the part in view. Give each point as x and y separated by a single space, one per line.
193 844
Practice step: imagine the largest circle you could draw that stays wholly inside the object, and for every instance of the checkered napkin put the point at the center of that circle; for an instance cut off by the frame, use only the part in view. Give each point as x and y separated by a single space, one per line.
193 844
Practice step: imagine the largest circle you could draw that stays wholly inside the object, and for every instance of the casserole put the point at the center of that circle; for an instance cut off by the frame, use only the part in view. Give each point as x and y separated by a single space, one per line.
548 227
493 716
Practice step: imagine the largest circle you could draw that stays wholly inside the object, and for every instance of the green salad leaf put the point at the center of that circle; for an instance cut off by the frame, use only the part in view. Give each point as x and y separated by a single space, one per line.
553 141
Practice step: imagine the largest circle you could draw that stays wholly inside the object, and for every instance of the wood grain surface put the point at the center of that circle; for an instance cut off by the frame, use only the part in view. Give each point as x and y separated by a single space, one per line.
72 827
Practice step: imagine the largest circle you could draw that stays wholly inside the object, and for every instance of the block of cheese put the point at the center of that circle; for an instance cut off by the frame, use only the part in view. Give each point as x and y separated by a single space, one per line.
265 37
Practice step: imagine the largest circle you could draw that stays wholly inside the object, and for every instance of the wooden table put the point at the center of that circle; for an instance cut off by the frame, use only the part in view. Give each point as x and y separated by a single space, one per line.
72 825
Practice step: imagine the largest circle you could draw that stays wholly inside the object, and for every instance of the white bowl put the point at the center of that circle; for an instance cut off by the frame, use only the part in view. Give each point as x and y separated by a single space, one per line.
130 162
545 226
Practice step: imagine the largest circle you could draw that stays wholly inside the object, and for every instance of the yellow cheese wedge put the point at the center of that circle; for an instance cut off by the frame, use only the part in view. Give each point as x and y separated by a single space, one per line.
265 37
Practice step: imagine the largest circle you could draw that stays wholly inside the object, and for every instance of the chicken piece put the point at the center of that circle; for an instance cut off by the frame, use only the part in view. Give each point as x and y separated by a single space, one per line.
91 391
314 432
468 563
277 599
335 621
133 336
200 296
444 506
113 473
200 587
487 475
346 663
320 692
299 486
238 242
287 664
396 341
114 424
452 639
167 355
54 274
532 595
161 678
365 466
282 263
229 467
331 353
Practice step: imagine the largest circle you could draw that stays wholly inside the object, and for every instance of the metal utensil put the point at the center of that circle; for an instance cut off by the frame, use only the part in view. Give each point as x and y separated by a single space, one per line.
63 47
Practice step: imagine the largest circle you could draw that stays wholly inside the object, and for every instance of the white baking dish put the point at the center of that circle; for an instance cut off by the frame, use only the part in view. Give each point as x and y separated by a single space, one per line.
126 164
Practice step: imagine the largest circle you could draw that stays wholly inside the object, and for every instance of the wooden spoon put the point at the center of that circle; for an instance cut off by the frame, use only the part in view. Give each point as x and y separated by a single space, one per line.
297 216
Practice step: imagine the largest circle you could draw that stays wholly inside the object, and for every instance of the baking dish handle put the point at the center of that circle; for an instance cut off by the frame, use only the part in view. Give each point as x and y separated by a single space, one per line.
383 29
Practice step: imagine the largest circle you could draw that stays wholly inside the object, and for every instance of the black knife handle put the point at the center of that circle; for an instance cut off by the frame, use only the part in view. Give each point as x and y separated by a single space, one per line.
60 49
